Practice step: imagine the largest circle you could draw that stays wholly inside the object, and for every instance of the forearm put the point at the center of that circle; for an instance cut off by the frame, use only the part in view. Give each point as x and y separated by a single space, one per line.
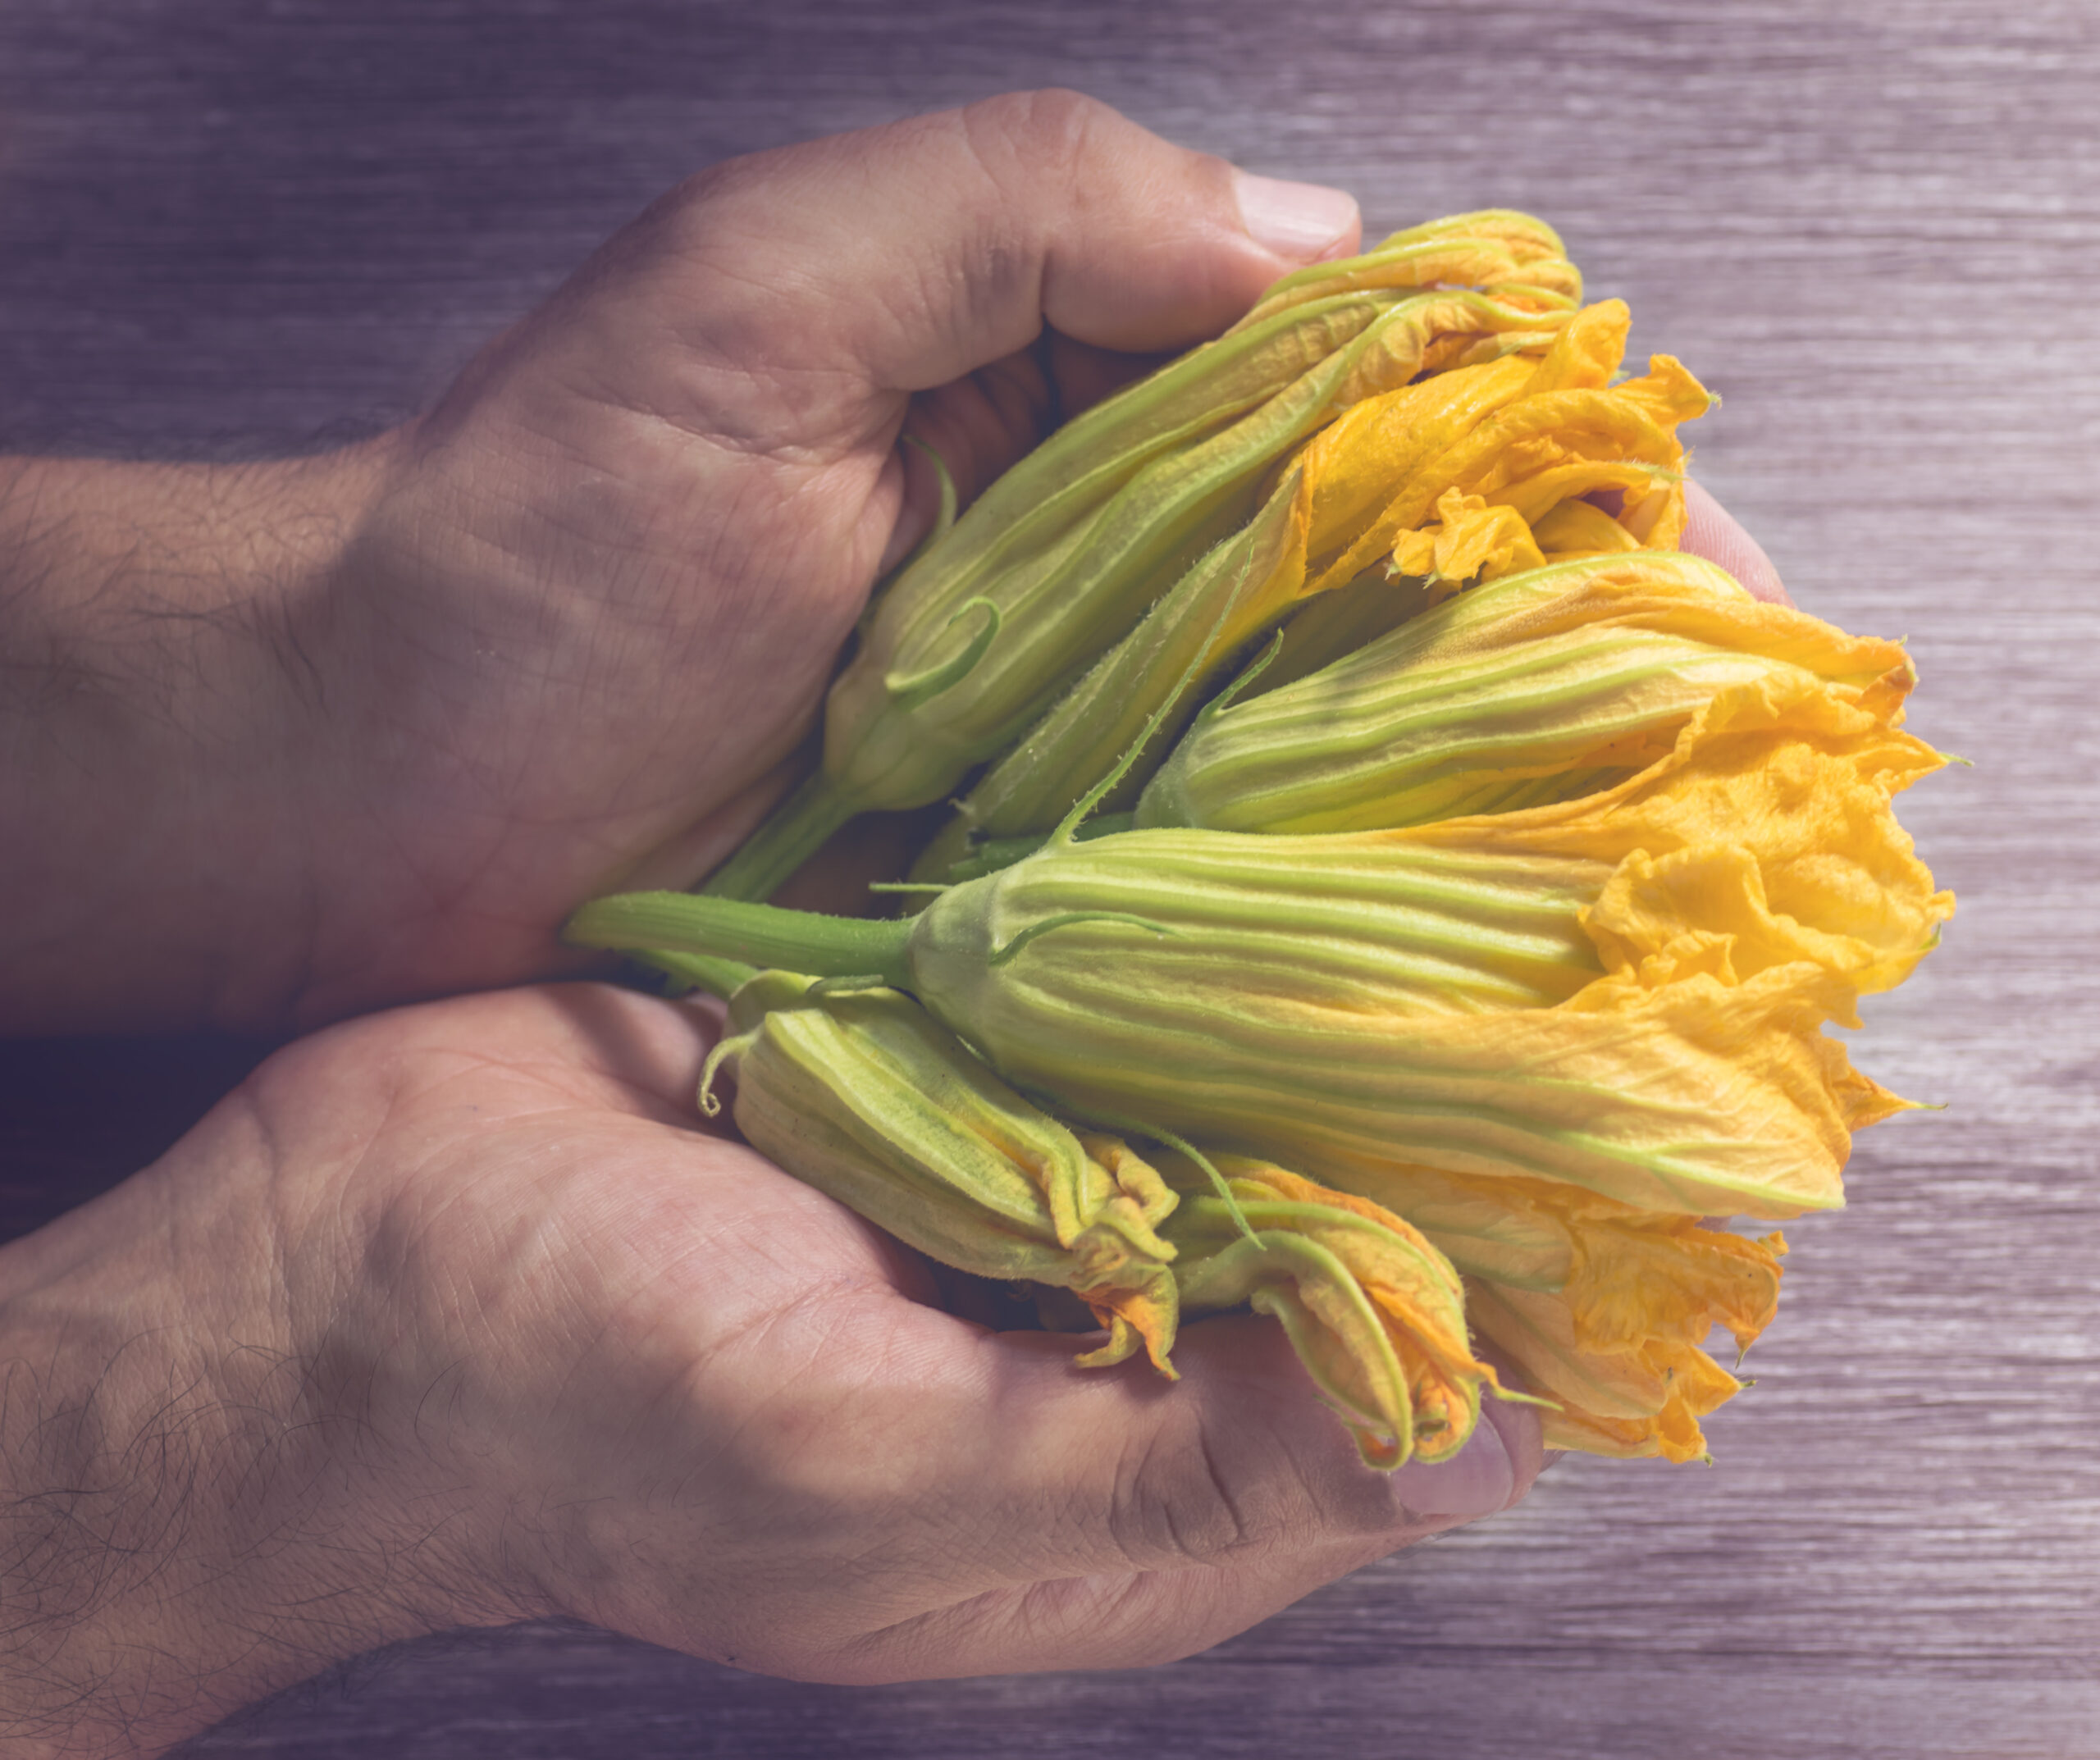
157 722
186 1523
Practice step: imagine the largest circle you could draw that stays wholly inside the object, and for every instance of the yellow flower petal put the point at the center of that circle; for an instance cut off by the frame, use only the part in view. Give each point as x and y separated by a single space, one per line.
1768 826
1574 528
1640 1279
1471 540
1399 456
1640 1402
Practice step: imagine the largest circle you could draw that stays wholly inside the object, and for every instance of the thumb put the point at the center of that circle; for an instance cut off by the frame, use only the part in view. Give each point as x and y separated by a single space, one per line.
1710 531
1120 1522
911 254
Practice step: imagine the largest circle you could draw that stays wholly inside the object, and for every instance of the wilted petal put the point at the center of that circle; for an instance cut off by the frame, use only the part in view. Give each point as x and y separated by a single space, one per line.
1647 1400
1640 1279
1374 1312
1470 540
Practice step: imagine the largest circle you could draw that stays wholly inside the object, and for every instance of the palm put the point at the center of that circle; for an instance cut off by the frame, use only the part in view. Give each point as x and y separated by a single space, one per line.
709 1374
606 687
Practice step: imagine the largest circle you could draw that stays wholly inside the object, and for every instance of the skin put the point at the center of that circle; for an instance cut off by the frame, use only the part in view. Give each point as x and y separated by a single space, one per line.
490 1329
451 1315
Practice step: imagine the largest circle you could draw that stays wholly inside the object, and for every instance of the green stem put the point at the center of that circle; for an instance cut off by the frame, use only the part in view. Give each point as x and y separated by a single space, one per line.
795 830
788 941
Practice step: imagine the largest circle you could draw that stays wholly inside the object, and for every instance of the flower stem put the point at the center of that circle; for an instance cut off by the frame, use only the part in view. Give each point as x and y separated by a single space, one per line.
792 940
795 831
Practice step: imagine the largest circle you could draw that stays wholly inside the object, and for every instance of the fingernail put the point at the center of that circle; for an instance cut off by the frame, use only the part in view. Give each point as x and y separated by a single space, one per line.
1477 1481
1300 222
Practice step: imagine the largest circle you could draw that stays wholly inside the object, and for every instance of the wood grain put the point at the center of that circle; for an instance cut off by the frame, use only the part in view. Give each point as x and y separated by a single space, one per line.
234 228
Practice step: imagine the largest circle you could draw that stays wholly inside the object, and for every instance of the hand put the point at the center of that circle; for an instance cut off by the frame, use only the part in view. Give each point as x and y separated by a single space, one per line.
561 634
303 739
451 1316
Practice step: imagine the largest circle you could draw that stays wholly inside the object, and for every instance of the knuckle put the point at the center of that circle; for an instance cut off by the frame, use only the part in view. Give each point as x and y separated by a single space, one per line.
1053 125
1174 1504
1198 1495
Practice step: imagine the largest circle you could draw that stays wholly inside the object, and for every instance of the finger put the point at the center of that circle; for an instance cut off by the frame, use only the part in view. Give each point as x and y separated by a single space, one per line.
1043 1471
982 1466
1711 531
977 426
927 249
1237 1537
1107 1621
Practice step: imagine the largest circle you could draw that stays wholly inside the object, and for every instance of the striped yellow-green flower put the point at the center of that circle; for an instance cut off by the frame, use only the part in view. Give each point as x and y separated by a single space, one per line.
1060 556
1376 1314
1533 688
1623 993
1528 433
863 1095
1511 250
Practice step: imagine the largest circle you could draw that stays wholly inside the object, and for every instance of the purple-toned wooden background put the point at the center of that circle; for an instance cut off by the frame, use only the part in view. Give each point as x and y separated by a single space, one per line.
233 227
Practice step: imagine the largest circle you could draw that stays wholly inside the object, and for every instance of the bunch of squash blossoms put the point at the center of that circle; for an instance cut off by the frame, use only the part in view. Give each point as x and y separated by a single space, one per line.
1388 883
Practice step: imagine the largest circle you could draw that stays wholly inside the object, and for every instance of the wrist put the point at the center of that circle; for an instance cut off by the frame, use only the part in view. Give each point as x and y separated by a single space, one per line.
157 742
191 1513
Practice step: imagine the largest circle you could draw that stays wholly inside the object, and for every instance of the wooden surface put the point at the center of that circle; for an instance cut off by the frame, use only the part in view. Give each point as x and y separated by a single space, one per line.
232 228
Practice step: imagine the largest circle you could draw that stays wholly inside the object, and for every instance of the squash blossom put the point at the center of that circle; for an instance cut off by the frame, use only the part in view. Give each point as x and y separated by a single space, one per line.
1461 954
1556 423
1533 688
1057 559
864 1097
1624 993
1376 1314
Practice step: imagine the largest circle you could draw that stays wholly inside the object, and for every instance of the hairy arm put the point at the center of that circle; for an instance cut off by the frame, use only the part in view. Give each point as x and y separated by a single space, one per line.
192 1513
161 733
291 741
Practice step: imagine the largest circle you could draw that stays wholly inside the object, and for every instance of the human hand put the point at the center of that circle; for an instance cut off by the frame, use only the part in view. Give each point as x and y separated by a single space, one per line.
697 446
620 557
452 1316
320 737
1710 531
561 634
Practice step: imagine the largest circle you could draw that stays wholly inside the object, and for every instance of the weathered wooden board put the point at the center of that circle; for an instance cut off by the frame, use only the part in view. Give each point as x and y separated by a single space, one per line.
234 227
